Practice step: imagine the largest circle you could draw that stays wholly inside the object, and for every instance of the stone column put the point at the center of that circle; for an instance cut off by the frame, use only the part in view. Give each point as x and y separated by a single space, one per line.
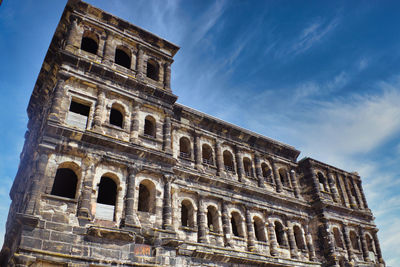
219 158
226 226
331 182
239 164
56 105
378 248
329 243
273 244
250 231
41 164
167 208
364 246
347 242
167 135
342 190
73 35
85 211
277 179
292 241
310 245
98 111
202 220
134 135
358 194
140 67
315 183
167 76
294 183
259 175
362 194
197 152
131 218
349 193
109 50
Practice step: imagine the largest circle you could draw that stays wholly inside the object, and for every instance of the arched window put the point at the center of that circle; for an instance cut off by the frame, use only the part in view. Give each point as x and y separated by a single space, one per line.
236 224
259 230
207 154
321 180
65 183
280 234
184 147
90 42
106 199
212 219
284 177
266 172
338 239
150 126
146 198
187 214
354 240
248 170
298 236
152 70
116 117
122 58
370 244
228 161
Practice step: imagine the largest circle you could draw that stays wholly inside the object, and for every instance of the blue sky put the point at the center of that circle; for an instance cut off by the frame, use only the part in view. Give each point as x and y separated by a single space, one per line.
323 76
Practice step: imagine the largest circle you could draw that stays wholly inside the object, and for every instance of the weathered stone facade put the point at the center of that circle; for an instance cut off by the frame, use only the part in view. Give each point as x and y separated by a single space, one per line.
114 172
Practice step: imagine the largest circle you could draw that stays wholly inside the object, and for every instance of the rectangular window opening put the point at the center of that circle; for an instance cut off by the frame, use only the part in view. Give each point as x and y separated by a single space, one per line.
78 114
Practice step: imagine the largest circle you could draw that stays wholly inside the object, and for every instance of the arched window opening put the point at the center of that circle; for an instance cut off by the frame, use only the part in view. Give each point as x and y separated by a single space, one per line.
228 161
284 177
144 198
212 219
298 236
65 183
338 239
370 244
259 230
321 181
122 58
150 127
152 70
89 43
354 240
106 199
236 223
280 234
248 170
187 214
116 117
184 147
266 172
207 154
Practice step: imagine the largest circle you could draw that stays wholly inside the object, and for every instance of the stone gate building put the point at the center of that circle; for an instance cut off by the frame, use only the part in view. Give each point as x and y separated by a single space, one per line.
115 172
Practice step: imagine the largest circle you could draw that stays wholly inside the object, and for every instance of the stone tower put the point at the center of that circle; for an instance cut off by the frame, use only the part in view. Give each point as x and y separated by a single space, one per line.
114 172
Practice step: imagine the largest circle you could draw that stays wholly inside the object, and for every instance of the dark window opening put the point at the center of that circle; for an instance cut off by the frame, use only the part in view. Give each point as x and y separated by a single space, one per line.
284 177
266 172
152 70
212 219
184 147
370 245
298 236
79 108
236 224
354 240
228 161
247 167
89 45
338 239
207 154
321 181
107 191
144 199
259 230
185 215
149 127
280 234
234 227
122 58
65 183
116 117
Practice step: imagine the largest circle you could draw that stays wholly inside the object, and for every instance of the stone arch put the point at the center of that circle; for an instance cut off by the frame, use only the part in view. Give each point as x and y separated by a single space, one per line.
228 161
184 147
247 165
207 154
283 175
187 213
237 224
150 126
117 115
66 180
280 234
90 42
259 229
147 196
153 69
122 56
213 219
